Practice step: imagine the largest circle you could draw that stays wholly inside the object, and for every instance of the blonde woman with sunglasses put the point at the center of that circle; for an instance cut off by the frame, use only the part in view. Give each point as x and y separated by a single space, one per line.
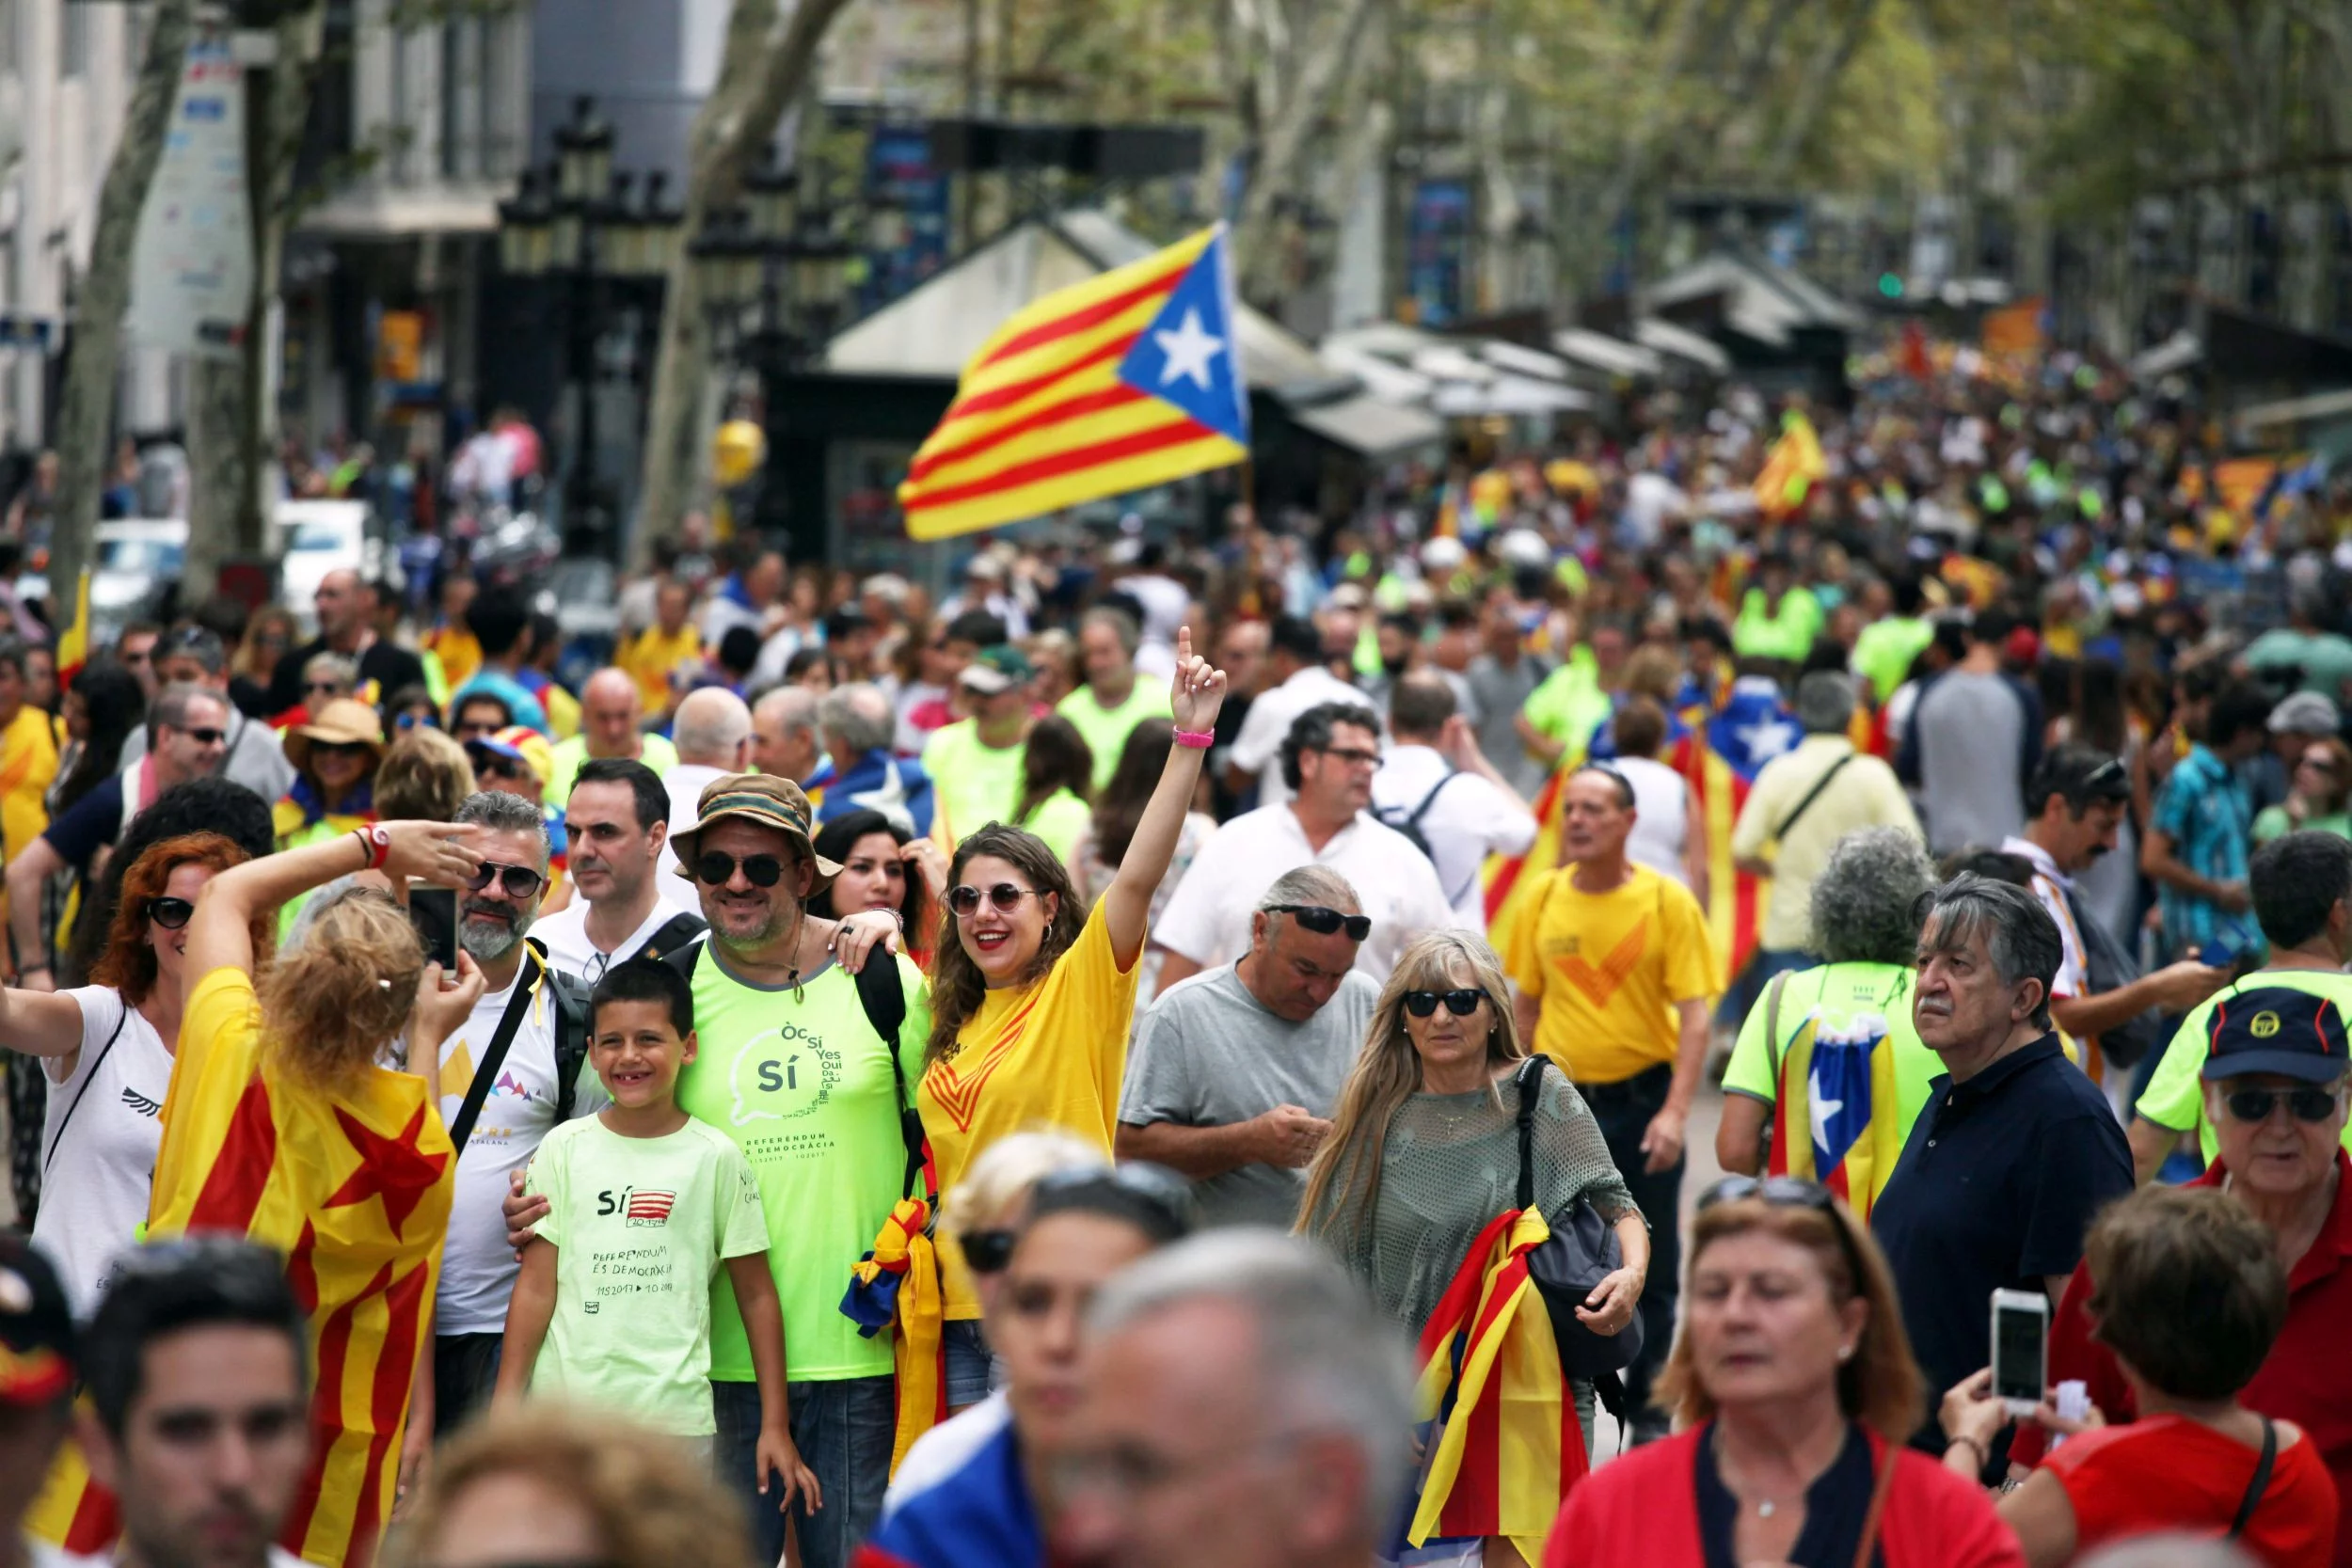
1424 1152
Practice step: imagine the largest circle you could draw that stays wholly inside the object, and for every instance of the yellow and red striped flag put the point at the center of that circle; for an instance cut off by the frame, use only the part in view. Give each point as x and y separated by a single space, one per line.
1507 1447
1122 381
354 1188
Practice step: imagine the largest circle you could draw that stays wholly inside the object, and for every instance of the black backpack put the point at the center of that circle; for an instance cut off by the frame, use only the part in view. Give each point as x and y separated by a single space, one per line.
885 1001
1408 823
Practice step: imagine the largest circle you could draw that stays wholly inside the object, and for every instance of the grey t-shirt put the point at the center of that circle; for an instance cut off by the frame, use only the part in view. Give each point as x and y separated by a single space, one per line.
1210 1055
1972 747
1501 691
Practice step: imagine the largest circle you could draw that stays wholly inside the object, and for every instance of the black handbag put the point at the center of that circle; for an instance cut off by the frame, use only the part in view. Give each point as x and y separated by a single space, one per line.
1577 1256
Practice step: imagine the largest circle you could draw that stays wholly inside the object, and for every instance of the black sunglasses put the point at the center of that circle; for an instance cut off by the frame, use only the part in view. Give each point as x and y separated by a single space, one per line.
1461 1003
520 881
168 912
339 748
1790 1192
1153 1196
965 899
206 737
1323 920
717 869
989 1251
2256 1104
322 686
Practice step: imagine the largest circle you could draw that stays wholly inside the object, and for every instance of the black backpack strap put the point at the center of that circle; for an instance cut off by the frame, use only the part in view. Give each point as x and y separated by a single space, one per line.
1529 1081
56 1133
884 999
678 930
570 995
2261 1481
485 1071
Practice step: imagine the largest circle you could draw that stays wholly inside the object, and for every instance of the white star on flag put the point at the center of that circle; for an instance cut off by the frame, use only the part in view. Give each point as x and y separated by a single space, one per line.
1189 349
1767 739
1824 1112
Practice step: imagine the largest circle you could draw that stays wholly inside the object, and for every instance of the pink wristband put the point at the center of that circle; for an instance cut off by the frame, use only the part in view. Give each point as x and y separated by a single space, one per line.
1199 740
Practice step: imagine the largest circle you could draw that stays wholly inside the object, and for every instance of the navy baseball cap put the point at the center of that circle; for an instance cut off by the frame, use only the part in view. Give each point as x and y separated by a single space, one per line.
2276 1030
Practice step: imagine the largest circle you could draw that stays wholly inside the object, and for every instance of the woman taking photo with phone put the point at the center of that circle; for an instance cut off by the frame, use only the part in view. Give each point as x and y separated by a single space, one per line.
105 1052
1033 995
1794 1389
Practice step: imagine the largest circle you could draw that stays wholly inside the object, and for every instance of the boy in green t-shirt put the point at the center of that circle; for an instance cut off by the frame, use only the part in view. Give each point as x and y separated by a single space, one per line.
612 1305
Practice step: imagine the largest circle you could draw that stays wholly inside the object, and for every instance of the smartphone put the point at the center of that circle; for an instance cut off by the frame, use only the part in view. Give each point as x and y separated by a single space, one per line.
433 910
2021 1349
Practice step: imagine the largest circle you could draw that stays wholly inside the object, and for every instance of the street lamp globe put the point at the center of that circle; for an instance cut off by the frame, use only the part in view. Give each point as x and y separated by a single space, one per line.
525 229
664 226
774 192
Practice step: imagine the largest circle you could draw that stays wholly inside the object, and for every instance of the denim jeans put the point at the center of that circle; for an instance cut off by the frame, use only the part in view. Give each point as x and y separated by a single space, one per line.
1624 1110
465 1372
843 1429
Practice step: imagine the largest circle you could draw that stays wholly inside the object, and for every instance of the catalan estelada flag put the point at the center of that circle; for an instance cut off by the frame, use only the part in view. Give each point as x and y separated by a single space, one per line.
1834 1117
354 1188
1506 1445
1125 381
897 1283
1719 761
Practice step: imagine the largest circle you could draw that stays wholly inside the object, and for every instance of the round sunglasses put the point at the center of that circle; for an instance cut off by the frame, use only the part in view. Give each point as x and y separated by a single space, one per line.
716 869
1461 1003
170 912
965 899
520 881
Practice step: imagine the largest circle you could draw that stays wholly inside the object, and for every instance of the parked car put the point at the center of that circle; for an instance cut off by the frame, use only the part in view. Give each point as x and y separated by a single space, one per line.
316 537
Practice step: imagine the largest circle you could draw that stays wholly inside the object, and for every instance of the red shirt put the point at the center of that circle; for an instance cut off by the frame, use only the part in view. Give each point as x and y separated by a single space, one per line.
1642 1507
2307 1378
2169 1473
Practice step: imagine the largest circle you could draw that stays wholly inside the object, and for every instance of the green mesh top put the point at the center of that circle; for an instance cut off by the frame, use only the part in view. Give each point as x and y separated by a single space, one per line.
1452 1164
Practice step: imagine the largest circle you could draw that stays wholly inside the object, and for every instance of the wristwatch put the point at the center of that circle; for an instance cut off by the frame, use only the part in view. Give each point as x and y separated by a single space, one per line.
377 839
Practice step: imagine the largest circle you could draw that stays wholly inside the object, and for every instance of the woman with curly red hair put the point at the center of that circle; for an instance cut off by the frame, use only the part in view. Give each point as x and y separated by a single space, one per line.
106 1051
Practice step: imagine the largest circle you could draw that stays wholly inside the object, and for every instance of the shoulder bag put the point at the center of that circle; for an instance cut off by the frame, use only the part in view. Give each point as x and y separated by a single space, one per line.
1582 1251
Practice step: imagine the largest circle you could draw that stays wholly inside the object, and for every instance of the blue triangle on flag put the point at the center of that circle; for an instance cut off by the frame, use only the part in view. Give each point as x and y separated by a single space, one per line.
1187 355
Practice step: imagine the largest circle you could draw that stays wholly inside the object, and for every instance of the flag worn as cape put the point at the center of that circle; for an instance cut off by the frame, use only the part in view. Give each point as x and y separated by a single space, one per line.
1791 468
1507 1446
898 1282
1835 1115
1116 384
353 1187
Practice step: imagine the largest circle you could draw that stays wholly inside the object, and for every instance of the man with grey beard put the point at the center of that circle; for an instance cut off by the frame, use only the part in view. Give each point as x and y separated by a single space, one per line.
517 1061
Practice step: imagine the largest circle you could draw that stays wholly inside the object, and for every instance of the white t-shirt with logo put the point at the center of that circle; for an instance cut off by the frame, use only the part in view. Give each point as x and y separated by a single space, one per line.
100 1162
477 1268
566 935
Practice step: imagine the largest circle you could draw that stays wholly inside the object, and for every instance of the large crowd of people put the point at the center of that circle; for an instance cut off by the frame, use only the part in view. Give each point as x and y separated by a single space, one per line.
1186 1053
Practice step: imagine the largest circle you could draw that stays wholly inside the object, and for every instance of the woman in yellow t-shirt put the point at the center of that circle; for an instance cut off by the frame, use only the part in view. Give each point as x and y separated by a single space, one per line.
1032 995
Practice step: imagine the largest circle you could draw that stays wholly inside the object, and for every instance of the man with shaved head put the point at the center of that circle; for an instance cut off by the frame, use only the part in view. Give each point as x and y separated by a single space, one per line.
346 611
611 728
713 736
784 738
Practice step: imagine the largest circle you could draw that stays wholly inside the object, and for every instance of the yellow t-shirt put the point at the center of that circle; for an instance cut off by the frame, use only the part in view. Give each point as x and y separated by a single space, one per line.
652 656
1049 1054
1609 968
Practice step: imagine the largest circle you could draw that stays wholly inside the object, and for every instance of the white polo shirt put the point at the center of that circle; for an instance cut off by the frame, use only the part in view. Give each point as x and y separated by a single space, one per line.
1257 748
1468 819
1207 920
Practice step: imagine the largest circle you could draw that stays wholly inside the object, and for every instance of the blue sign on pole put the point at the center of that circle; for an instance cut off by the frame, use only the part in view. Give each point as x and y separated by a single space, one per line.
899 172
1436 249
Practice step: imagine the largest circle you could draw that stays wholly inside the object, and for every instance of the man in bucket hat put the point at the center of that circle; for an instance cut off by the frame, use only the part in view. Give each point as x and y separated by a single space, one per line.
790 1065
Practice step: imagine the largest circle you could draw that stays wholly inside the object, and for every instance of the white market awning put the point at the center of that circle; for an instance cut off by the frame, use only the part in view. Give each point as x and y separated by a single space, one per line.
1610 355
1508 394
1670 337
1371 425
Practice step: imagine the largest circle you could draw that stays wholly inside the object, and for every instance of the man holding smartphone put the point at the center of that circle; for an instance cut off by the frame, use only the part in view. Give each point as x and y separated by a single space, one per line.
507 1064
2016 1151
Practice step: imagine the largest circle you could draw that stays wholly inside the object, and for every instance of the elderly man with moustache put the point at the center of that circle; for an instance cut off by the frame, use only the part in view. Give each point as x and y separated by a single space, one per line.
611 724
1235 1071
2016 1150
